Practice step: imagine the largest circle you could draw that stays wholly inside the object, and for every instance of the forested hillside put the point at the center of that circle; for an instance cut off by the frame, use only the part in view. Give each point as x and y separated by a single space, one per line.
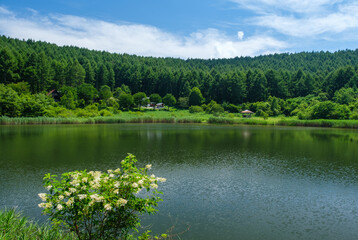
46 66
81 76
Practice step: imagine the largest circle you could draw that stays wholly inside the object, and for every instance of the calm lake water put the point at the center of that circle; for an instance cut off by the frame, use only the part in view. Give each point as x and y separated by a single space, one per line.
226 182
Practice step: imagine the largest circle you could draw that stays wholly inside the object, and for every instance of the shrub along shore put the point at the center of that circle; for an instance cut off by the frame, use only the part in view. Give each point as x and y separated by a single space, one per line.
181 116
19 106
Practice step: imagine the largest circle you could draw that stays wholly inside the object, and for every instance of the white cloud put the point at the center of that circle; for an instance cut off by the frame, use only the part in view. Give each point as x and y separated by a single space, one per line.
296 6
134 38
304 18
240 35
308 27
4 11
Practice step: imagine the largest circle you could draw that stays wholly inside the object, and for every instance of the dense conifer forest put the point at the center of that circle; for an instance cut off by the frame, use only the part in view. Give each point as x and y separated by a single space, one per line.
274 84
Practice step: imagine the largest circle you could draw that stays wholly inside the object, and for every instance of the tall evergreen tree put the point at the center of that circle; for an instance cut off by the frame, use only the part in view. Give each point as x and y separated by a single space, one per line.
7 66
237 88
257 90
76 74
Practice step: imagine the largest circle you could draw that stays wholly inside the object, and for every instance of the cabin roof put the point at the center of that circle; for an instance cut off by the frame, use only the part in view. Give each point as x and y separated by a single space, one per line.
247 111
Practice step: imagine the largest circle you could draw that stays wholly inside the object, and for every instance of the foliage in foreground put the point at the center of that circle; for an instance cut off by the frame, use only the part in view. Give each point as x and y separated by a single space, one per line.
15 226
101 205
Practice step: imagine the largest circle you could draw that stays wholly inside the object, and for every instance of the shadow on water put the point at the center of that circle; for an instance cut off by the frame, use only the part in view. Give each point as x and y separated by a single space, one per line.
225 182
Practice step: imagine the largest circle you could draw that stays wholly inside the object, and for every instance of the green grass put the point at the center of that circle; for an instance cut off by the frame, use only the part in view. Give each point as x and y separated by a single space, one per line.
13 225
320 123
182 116
286 121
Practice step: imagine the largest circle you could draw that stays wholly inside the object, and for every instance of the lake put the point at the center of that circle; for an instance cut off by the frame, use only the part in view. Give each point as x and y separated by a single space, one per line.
225 182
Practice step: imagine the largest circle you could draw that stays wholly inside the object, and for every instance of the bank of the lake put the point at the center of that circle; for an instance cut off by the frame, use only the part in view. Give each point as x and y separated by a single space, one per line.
181 116
14 225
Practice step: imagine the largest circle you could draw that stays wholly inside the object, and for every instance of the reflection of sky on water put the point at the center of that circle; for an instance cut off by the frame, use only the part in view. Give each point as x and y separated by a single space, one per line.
156 135
246 134
225 182
248 200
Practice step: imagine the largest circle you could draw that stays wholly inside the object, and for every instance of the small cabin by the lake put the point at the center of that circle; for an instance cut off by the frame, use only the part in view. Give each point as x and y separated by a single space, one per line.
159 105
247 113
153 105
55 95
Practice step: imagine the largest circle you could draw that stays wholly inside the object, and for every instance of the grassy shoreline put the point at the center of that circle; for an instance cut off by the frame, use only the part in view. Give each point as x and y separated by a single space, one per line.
13 225
181 116
329 123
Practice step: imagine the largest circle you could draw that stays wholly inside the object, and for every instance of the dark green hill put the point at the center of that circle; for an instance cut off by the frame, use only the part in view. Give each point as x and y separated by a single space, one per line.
47 66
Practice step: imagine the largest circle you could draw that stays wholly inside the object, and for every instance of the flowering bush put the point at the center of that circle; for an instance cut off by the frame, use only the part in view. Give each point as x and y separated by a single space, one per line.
101 205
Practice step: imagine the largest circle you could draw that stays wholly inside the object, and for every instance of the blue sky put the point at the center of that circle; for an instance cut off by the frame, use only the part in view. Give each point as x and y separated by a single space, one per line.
186 28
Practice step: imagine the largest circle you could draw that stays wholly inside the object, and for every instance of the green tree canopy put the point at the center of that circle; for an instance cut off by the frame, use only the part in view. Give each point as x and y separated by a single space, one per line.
76 74
126 89
344 96
117 92
105 92
68 101
87 92
169 100
140 98
46 66
9 102
7 66
20 87
195 97
125 101
155 98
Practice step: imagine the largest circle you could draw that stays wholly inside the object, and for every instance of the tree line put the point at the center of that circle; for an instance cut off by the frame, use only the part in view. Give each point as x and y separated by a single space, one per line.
82 76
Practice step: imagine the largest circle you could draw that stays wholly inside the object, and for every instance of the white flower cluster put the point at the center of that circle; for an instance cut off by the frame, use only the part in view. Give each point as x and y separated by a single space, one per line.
96 174
152 178
108 207
82 196
45 205
95 184
76 175
95 197
75 182
42 196
121 202
70 202
160 179
117 184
